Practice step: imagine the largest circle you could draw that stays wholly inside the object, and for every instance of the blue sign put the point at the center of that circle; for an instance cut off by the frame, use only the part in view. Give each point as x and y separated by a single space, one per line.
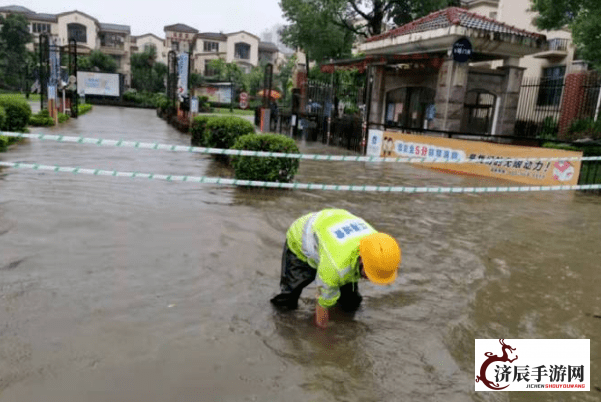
462 50
55 65
430 112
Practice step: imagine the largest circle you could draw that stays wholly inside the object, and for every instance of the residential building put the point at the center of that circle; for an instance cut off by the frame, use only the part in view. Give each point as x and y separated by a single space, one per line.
38 22
558 57
89 33
241 47
144 42
549 89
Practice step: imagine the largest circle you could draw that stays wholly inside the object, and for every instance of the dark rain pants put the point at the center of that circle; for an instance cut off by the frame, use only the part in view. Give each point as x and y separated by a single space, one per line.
297 274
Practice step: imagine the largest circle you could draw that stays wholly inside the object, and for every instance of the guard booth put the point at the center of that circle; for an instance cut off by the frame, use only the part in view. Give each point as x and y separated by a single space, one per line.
435 74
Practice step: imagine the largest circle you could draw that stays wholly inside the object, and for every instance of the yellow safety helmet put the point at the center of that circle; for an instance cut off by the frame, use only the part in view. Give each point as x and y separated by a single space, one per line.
381 256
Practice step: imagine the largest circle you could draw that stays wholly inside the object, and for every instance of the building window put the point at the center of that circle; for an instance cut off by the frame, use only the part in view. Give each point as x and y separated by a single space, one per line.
209 71
478 112
242 51
149 46
175 46
492 15
77 32
211 46
551 86
112 40
40 28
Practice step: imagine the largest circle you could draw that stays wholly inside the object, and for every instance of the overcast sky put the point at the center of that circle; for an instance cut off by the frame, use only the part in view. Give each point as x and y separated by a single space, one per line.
143 16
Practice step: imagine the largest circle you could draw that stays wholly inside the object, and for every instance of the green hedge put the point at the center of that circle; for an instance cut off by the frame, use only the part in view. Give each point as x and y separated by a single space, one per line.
222 132
2 117
6 141
83 108
587 150
41 119
62 117
265 168
18 113
198 129
3 143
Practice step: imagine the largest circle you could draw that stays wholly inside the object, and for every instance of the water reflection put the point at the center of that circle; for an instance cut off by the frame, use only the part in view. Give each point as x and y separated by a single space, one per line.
96 262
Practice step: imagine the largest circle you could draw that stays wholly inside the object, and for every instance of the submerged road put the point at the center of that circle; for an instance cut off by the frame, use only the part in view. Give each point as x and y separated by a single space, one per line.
116 289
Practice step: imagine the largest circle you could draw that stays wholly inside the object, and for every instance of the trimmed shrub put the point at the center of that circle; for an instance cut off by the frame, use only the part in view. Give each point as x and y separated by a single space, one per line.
265 168
62 117
198 129
222 132
41 119
587 150
3 143
584 128
83 108
2 117
18 113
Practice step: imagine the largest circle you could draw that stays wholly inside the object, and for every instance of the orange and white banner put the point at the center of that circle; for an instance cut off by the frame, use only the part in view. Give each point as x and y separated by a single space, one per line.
485 159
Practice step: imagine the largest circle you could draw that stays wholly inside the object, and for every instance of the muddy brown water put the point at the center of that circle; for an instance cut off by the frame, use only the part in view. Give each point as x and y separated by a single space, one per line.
139 290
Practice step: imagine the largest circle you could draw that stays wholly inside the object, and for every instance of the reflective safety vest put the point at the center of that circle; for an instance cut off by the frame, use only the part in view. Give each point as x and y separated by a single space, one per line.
329 242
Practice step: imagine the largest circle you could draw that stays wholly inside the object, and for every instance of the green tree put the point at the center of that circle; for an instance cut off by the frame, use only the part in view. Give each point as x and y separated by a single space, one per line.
14 35
284 77
328 28
148 75
313 28
97 61
253 81
583 17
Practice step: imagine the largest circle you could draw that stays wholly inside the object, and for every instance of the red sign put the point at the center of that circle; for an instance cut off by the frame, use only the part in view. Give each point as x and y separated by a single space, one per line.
243 100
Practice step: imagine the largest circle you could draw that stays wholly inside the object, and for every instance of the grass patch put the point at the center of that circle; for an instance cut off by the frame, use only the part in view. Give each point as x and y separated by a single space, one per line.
238 112
32 97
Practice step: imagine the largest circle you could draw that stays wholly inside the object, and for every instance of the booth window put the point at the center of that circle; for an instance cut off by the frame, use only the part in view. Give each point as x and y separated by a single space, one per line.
478 112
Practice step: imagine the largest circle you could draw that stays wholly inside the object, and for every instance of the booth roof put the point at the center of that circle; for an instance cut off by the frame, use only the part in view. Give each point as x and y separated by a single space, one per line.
454 16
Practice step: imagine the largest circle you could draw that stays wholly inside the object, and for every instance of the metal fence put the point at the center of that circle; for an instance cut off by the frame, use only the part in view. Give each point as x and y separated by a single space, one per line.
540 101
333 114
539 107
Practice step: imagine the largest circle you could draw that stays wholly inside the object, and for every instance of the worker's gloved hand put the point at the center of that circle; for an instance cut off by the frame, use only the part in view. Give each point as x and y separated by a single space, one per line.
321 316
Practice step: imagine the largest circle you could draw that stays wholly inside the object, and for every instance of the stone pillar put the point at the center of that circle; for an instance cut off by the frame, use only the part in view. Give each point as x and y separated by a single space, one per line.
573 93
510 95
377 96
450 95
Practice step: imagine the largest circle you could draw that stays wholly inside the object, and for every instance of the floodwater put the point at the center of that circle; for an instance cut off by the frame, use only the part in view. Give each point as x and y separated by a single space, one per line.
115 289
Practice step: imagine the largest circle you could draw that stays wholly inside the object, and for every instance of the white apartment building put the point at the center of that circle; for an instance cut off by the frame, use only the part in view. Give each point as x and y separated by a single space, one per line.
144 42
242 48
89 33
560 57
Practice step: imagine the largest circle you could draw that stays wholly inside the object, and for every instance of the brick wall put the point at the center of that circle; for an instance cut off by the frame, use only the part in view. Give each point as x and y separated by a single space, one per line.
571 101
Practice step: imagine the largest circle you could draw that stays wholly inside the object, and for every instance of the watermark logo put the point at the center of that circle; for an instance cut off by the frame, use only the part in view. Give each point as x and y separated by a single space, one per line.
532 364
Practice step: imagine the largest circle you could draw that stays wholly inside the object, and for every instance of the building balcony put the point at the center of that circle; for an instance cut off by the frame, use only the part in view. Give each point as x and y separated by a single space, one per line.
115 49
556 48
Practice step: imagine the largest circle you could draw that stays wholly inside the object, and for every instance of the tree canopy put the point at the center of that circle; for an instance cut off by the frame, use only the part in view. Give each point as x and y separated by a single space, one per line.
328 28
583 17
97 61
148 75
312 28
14 35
